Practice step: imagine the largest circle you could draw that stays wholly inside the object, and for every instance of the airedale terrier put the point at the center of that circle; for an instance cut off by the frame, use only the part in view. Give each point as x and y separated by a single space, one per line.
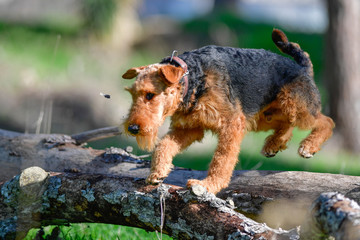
229 91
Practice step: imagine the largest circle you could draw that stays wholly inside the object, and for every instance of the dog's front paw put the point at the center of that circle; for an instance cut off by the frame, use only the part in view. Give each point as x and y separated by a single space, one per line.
210 186
154 178
193 182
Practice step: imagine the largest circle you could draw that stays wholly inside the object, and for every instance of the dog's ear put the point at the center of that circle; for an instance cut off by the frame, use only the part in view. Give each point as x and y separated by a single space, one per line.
171 73
132 72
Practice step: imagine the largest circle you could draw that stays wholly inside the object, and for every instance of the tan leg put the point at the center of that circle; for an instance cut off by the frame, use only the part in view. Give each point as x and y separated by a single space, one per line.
173 143
225 157
321 131
277 141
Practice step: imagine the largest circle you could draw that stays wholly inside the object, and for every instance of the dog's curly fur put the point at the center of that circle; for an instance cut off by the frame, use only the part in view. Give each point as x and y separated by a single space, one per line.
230 92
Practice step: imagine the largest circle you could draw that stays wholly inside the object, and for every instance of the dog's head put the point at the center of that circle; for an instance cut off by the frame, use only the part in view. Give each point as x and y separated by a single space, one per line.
156 94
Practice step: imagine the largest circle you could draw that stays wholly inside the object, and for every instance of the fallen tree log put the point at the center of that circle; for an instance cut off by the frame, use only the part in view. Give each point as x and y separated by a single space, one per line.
36 198
266 196
249 189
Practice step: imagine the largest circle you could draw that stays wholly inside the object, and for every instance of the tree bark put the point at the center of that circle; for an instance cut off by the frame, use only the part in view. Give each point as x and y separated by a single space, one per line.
333 215
96 134
342 69
281 199
36 198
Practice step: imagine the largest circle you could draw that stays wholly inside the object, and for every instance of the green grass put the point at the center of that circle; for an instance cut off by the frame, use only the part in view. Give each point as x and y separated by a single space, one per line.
95 231
35 48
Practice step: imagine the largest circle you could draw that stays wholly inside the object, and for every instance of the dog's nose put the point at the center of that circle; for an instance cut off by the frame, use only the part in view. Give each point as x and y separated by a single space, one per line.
134 129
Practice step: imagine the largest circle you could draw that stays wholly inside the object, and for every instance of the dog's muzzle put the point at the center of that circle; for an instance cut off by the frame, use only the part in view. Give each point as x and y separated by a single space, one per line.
134 129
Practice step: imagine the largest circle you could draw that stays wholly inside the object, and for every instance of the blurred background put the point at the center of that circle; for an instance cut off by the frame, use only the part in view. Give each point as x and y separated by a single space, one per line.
56 57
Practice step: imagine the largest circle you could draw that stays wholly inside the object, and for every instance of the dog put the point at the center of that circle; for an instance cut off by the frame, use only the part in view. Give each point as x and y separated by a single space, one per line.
229 91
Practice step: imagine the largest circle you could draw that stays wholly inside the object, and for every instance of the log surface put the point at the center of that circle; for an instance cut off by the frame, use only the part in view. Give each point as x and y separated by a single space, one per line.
36 198
83 174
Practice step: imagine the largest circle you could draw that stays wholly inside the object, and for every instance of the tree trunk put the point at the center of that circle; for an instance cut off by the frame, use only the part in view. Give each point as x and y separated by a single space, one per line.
343 69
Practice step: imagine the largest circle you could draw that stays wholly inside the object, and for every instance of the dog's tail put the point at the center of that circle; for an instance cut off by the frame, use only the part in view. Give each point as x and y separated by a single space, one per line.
292 49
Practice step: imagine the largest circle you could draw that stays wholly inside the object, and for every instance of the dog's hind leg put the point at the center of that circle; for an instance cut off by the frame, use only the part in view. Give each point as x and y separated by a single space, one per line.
300 103
277 141
321 131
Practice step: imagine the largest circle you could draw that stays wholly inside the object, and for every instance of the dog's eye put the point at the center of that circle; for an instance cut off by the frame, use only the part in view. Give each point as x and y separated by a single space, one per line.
149 96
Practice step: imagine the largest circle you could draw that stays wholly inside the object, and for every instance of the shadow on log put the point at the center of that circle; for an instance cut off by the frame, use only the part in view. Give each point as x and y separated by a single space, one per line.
108 186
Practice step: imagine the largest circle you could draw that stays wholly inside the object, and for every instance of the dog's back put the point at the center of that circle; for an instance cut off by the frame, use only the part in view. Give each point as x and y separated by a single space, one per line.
255 75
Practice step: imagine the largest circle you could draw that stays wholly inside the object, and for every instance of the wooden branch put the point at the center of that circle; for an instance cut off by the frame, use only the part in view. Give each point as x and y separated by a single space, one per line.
37 198
281 199
96 134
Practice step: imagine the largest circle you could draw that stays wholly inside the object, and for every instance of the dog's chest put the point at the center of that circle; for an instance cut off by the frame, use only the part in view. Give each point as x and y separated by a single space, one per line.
207 114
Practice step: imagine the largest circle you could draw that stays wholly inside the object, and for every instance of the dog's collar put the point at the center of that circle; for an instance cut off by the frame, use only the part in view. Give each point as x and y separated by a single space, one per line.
184 66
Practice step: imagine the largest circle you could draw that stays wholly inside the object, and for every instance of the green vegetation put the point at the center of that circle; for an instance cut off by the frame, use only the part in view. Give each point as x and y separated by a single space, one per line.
34 47
94 231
